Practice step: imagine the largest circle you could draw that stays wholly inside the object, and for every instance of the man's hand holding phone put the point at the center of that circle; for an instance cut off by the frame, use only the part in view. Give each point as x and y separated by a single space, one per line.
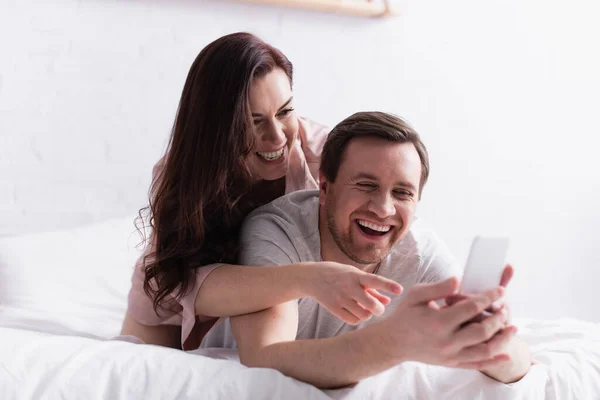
486 265
507 275
422 331
459 334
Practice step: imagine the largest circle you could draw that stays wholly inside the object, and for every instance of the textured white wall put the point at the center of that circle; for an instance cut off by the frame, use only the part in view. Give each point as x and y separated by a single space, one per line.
505 93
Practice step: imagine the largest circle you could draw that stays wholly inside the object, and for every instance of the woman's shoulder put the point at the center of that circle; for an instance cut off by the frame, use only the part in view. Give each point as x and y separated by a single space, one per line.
313 128
312 138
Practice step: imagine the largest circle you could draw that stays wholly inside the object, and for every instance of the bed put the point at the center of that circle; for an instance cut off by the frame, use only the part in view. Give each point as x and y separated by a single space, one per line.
63 296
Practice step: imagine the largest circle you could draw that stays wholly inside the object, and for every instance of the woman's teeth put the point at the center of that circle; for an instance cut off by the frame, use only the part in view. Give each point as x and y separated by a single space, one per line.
273 155
378 228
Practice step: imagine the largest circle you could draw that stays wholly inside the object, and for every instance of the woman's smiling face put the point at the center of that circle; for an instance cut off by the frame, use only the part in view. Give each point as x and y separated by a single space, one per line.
275 125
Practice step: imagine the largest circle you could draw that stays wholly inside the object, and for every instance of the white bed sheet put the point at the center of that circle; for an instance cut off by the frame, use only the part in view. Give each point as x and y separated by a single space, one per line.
42 365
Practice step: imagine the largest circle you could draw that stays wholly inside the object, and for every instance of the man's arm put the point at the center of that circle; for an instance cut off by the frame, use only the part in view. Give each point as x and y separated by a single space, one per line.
266 339
417 330
514 369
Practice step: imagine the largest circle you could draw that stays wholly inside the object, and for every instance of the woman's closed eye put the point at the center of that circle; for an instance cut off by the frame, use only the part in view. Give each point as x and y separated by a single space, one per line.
282 114
285 112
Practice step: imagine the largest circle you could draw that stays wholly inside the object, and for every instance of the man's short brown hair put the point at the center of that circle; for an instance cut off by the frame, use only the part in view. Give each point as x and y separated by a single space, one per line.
370 124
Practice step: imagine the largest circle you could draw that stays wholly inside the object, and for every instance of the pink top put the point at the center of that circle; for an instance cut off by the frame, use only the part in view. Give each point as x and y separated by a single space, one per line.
303 173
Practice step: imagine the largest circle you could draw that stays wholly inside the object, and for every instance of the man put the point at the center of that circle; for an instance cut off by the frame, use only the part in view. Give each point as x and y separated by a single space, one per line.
373 170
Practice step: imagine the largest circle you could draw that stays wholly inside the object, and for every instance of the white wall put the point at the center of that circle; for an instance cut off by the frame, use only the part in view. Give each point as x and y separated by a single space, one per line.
505 93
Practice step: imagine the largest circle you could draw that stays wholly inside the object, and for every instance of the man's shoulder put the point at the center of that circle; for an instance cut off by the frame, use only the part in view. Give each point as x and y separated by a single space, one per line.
298 209
423 233
430 255
282 231
421 240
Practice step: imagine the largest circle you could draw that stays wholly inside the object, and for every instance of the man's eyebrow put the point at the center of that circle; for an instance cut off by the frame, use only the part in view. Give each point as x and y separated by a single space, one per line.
406 185
363 175
371 177
280 108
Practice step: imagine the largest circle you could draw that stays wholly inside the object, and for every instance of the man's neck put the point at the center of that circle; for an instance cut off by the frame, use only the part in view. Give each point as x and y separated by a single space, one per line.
330 251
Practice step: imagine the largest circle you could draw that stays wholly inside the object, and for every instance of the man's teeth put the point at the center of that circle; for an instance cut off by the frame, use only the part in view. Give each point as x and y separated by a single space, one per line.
273 155
378 228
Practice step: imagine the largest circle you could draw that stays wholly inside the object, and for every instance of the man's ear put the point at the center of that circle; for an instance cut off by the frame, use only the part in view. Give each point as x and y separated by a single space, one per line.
323 186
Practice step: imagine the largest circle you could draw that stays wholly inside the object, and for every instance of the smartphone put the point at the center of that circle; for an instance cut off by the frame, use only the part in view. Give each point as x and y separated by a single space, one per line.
485 264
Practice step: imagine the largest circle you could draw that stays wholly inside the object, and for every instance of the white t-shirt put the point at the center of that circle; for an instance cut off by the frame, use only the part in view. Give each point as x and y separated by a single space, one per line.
286 231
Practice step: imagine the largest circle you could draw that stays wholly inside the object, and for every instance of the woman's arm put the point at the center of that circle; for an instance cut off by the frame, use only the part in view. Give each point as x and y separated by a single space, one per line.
347 292
234 289
162 335
231 290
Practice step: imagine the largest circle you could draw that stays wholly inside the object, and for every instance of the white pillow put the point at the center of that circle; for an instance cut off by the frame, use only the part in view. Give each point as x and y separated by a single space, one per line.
72 281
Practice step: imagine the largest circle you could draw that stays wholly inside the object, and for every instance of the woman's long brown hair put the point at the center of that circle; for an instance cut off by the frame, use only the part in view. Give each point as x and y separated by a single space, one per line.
198 200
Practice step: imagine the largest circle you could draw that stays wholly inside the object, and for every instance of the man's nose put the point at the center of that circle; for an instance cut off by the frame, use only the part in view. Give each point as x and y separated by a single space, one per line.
383 205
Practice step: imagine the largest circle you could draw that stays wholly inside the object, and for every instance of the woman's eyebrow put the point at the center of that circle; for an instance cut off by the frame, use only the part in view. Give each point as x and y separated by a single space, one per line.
254 115
286 103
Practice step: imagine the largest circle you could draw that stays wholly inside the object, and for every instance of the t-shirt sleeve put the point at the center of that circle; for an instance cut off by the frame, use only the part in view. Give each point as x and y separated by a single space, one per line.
140 305
266 239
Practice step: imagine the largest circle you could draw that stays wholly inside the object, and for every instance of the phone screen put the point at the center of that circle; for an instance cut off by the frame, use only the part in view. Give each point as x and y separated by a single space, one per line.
485 264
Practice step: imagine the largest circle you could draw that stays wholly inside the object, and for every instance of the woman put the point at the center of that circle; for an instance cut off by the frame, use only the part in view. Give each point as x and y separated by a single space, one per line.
236 144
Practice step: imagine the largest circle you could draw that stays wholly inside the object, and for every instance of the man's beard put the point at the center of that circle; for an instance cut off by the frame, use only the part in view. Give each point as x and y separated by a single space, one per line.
344 242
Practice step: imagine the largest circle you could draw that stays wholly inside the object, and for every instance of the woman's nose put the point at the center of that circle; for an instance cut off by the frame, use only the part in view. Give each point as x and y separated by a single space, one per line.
274 133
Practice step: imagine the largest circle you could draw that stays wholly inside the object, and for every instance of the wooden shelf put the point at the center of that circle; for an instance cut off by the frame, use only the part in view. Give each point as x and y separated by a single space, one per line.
363 8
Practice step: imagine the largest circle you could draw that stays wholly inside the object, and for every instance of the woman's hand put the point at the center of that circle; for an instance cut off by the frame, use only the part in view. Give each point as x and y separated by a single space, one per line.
347 292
